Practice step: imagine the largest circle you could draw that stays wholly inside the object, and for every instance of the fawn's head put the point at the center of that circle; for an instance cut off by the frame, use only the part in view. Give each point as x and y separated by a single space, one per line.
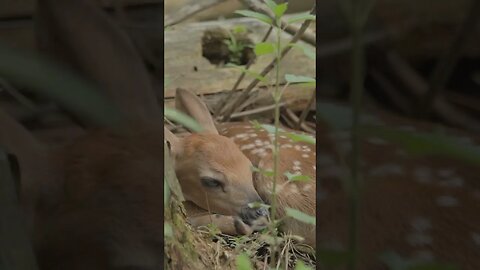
211 169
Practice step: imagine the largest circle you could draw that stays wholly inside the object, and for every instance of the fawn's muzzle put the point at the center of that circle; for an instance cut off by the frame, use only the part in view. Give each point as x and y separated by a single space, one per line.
249 215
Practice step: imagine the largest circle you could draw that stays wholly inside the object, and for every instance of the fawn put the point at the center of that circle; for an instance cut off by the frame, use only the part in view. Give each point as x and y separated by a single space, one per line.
222 158
424 209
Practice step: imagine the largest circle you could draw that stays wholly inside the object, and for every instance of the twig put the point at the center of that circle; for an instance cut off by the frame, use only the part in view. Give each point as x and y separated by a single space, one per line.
343 45
304 113
292 30
15 248
240 78
188 10
269 67
447 62
30 105
295 119
256 111
418 86
391 91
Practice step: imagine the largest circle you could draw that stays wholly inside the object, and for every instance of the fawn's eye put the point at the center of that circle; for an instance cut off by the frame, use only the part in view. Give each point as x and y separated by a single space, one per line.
210 182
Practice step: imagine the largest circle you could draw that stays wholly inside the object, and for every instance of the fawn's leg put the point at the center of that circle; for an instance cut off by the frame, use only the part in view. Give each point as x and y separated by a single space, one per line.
231 225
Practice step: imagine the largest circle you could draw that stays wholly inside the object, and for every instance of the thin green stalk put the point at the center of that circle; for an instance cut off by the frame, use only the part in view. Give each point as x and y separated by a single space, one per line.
277 98
356 98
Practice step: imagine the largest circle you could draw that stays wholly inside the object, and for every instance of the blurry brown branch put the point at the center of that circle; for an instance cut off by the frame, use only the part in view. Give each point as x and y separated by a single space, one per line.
448 61
189 10
418 87
304 113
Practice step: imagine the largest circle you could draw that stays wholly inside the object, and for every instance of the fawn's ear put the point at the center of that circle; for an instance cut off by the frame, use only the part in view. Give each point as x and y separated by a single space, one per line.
175 144
189 103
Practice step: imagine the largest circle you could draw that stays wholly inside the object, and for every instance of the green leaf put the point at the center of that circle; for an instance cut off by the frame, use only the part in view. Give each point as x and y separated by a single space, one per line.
269 128
183 119
298 79
167 230
301 138
263 172
271 4
333 259
255 15
279 10
264 48
301 17
295 177
307 50
299 215
301 266
243 262
239 29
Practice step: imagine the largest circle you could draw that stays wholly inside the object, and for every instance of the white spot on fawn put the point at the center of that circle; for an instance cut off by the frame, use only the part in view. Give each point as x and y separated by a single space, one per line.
424 255
386 169
377 141
305 156
447 201
247 146
423 175
297 147
296 163
445 173
452 182
241 135
421 224
253 135
419 239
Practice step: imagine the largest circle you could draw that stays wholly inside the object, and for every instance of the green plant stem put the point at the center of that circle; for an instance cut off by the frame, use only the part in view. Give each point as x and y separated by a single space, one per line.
356 98
277 98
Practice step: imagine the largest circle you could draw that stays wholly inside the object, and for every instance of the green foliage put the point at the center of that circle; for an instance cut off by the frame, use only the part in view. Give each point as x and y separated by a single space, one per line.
301 17
332 259
301 138
264 48
301 266
255 15
299 215
235 47
183 119
243 262
297 178
167 230
303 80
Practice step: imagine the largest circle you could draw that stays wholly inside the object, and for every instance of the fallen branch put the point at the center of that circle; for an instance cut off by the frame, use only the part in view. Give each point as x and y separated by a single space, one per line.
189 10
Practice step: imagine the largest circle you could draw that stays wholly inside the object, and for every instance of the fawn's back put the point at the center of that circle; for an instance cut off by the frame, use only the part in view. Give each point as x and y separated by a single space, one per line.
422 208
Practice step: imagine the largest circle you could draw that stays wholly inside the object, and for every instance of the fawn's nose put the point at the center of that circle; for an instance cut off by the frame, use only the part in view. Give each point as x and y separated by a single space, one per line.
249 215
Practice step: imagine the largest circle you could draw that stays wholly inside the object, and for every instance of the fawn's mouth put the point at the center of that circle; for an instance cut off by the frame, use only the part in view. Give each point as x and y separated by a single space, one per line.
254 216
